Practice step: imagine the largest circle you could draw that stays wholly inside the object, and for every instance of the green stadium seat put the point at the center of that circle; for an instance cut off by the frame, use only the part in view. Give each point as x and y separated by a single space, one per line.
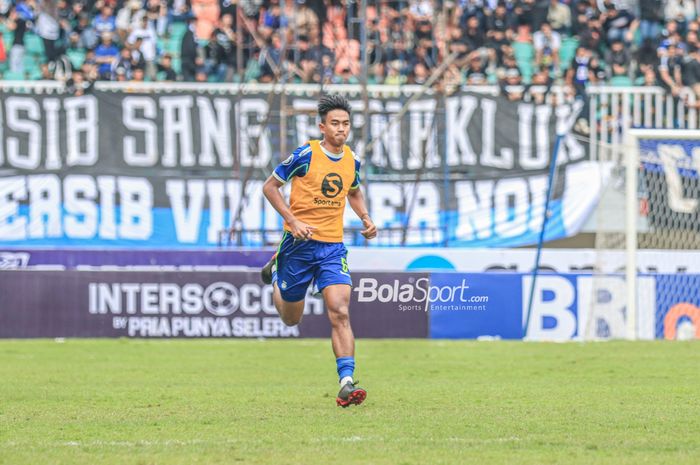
8 37
76 57
30 62
34 74
524 51
621 81
567 52
173 45
177 30
177 64
33 44
527 69
14 76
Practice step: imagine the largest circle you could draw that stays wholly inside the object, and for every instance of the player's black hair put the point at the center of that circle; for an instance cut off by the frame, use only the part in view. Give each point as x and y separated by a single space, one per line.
332 102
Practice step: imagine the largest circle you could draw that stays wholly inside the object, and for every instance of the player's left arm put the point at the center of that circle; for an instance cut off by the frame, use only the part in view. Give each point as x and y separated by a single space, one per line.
357 202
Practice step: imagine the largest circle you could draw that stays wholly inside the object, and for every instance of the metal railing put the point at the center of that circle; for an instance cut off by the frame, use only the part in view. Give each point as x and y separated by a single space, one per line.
614 110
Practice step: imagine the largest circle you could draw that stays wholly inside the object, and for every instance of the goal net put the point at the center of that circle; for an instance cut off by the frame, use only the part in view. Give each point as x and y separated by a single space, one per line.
646 282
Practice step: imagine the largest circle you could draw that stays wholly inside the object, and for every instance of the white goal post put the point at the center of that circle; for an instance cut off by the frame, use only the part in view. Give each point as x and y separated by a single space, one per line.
668 158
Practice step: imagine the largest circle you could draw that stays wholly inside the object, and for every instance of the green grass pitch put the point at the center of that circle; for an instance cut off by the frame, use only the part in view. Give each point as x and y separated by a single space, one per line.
429 402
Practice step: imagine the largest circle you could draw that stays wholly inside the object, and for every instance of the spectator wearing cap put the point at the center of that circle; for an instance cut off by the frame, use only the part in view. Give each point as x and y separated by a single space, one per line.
105 53
559 16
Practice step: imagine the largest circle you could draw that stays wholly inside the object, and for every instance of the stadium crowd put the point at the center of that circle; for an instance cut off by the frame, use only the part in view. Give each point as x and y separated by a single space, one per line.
650 42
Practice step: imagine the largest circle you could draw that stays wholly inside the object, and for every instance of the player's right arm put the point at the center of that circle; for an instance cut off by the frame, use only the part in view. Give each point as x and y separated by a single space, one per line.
296 165
271 190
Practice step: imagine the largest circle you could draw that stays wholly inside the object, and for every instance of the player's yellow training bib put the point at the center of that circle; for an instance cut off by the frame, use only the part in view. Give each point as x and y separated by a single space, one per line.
318 198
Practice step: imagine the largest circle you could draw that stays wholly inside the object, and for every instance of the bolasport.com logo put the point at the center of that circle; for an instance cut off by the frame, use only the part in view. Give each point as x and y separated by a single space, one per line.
418 294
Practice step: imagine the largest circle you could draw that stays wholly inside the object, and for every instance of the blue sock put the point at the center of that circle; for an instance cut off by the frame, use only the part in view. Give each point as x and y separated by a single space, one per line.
346 366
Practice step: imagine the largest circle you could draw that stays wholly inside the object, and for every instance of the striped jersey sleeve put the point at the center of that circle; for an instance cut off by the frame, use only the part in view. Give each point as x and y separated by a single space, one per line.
297 164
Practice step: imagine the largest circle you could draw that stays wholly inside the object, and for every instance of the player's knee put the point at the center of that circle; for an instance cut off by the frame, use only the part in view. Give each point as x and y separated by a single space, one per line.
290 320
339 316
291 314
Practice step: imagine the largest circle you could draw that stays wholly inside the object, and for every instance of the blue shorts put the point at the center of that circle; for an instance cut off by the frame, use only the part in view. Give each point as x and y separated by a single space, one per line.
300 262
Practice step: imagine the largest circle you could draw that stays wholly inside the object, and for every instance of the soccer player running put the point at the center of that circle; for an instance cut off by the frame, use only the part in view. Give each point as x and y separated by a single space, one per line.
323 174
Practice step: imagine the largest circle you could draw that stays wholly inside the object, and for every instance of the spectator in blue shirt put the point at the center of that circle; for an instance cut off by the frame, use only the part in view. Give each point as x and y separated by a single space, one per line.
105 54
105 22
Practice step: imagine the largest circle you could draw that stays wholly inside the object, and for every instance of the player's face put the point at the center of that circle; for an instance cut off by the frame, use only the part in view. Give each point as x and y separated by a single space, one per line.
336 128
